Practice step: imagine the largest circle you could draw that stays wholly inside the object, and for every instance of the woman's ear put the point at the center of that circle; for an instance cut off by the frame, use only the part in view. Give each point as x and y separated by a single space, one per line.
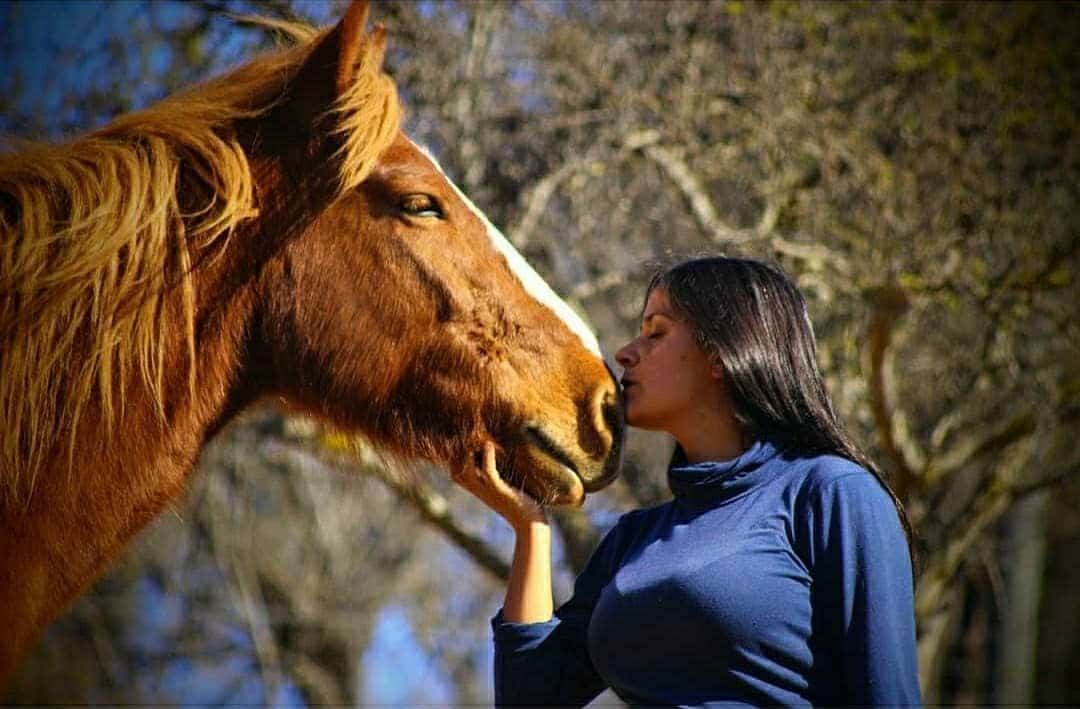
716 370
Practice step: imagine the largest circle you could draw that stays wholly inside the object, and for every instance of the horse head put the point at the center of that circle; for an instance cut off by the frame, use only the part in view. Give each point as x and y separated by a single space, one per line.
400 311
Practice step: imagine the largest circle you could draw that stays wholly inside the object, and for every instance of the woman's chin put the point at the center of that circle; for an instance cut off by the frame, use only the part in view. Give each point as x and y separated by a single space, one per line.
640 419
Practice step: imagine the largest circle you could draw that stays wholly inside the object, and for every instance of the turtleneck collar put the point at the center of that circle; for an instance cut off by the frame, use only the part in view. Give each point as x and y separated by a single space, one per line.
717 480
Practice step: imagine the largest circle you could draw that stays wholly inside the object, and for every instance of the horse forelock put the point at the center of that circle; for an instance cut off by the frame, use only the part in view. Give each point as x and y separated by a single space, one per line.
96 244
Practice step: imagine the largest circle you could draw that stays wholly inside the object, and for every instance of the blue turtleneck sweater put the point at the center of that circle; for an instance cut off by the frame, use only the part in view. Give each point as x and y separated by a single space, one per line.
769 579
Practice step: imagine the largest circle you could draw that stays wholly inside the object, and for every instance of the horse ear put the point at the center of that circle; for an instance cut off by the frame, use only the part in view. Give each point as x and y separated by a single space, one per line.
331 68
351 36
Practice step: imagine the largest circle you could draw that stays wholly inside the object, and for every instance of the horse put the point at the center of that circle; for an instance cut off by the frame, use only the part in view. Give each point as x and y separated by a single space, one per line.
271 234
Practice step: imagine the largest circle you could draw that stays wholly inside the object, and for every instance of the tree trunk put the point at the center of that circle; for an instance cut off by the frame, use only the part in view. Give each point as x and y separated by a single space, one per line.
1023 559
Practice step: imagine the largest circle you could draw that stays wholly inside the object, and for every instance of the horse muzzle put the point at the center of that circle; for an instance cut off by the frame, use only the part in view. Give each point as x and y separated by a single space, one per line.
559 473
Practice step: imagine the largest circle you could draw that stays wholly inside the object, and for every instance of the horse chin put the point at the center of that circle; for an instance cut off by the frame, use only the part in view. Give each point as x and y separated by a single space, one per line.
548 480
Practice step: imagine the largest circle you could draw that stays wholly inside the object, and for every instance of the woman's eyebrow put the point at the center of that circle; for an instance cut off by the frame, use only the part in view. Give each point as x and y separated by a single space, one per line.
660 313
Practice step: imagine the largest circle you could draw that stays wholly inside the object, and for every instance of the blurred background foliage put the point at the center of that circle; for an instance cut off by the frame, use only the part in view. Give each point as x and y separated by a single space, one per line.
914 165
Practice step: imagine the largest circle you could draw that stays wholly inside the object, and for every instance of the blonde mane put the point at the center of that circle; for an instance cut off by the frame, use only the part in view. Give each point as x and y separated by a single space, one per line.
95 248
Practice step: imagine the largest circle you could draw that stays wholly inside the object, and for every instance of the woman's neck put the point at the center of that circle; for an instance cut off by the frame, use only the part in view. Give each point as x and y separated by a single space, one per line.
711 435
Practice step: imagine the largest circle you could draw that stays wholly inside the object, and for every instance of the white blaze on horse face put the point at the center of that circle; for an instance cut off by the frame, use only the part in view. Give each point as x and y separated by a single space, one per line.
536 286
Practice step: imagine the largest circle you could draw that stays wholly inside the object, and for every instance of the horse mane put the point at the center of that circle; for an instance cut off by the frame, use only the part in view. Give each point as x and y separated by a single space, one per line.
95 245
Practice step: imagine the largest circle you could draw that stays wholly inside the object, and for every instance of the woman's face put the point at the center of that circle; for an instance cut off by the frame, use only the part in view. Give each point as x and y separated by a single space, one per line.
667 378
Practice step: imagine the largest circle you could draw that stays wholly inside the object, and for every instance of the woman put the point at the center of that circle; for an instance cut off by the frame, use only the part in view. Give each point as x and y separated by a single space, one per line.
780 572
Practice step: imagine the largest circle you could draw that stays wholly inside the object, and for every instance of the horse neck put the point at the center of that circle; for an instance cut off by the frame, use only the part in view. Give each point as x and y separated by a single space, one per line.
80 516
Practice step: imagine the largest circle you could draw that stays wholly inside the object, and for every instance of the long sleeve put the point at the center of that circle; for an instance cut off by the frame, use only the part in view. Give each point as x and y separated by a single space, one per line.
862 592
548 663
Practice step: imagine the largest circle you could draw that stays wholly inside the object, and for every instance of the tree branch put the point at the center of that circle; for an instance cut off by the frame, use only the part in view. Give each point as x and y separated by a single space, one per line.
696 196
704 211
435 510
317 684
580 536
936 577
537 200
245 588
975 445
425 500
592 287
541 192
482 27
1000 494
813 252
888 304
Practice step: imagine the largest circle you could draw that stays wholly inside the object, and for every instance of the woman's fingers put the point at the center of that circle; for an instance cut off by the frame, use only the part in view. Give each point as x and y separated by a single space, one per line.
489 461
491 473
479 474
488 473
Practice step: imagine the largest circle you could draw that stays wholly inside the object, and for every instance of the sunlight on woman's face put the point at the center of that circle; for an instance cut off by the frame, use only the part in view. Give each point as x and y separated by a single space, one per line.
666 375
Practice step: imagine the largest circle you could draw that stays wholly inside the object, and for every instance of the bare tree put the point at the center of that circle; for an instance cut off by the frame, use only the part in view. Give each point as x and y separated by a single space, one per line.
914 166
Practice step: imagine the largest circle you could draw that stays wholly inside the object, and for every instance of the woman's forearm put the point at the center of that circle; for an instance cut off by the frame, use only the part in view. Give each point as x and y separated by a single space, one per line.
528 594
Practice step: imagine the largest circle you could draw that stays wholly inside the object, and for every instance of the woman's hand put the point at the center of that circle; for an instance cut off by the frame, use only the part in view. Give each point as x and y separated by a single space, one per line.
528 591
515 506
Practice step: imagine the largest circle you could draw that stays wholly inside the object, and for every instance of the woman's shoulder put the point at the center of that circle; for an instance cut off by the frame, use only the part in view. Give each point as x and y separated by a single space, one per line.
828 468
836 496
631 529
823 477
637 524
642 516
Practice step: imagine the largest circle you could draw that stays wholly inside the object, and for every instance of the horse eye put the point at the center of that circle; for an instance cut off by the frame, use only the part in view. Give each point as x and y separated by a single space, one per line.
421 205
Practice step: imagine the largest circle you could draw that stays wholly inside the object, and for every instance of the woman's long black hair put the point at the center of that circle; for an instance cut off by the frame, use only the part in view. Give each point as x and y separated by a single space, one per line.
753 320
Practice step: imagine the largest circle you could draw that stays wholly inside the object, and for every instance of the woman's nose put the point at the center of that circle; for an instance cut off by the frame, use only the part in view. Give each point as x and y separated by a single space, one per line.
625 356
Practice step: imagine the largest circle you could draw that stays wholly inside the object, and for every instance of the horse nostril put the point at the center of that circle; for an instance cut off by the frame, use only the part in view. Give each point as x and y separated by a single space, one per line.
612 410
603 436
606 415
612 395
